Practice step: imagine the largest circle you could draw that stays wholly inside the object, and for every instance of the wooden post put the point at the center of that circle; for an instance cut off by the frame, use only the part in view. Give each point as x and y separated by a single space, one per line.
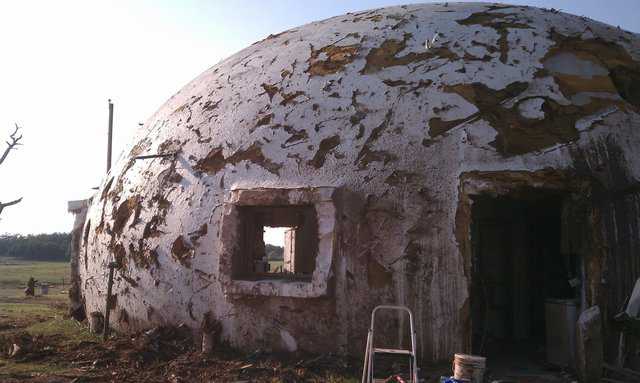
110 135
105 332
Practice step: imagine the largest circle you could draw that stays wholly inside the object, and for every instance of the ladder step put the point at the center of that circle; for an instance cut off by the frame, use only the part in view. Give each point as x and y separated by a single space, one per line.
392 351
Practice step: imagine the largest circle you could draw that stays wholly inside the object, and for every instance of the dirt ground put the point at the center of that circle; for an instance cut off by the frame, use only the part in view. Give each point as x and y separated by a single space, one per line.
52 348
55 348
40 343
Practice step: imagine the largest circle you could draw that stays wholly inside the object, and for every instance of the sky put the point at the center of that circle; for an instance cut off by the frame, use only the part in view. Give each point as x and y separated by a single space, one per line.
61 60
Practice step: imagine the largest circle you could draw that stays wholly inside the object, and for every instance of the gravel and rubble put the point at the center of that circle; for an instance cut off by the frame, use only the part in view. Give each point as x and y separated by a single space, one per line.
163 354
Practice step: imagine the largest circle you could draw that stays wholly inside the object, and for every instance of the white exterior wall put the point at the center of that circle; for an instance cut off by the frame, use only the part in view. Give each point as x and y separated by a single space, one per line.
355 103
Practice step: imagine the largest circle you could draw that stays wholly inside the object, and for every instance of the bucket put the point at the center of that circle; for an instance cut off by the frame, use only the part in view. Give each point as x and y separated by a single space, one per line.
469 368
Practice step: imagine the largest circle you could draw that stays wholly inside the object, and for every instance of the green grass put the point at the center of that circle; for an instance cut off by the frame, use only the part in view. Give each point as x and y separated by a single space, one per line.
71 331
14 275
17 272
38 316
274 265
12 369
339 379
27 310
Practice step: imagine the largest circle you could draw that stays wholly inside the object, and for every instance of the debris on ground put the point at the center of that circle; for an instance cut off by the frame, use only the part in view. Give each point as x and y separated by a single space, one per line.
619 374
22 347
165 354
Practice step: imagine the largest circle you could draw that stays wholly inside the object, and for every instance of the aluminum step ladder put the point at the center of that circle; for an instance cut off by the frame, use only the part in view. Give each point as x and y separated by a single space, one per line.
371 351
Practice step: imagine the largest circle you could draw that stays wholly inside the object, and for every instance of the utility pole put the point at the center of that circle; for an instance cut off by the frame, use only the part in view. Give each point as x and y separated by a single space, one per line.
110 136
112 265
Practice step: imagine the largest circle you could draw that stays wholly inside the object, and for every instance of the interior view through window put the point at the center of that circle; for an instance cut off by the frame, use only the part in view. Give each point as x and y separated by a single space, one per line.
521 278
277 242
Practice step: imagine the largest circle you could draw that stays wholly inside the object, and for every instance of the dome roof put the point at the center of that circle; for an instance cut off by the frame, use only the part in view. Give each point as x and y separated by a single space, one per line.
371 100
353 86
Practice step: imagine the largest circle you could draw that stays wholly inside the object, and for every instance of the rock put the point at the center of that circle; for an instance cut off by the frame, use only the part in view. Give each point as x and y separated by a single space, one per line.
207 343
15 350
288 341
589 345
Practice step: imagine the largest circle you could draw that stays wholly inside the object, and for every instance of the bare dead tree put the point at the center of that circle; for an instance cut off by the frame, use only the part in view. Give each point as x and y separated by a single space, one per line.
12 144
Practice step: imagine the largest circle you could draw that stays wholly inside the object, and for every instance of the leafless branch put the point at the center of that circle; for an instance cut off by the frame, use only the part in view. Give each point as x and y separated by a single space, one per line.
3 205
13 143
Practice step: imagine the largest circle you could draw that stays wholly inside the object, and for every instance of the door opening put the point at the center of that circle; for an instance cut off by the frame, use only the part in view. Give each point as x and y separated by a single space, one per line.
518 268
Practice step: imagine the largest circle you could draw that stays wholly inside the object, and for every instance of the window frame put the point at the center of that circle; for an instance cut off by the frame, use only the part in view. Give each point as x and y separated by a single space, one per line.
254 219
321 199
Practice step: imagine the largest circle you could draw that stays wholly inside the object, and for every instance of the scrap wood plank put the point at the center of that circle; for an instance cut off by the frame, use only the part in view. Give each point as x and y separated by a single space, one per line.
633 307
623 371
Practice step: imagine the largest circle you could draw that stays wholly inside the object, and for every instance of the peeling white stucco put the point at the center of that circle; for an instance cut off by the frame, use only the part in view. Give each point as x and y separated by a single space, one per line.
357 104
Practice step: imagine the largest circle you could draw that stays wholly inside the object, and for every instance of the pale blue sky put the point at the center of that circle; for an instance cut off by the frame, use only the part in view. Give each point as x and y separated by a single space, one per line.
62 60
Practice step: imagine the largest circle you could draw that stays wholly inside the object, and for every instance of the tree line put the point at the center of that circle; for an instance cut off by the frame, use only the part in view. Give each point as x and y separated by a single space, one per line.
38 247
274 253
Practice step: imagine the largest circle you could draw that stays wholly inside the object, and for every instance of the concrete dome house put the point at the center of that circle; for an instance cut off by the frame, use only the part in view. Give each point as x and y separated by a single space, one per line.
464 160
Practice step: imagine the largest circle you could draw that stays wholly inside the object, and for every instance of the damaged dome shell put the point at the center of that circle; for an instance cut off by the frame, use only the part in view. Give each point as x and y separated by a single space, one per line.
359 102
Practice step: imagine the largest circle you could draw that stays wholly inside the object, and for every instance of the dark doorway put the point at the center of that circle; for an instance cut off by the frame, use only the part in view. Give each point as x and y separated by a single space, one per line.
518 265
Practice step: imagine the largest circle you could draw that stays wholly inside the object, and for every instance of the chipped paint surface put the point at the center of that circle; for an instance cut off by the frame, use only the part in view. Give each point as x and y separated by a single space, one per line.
357 103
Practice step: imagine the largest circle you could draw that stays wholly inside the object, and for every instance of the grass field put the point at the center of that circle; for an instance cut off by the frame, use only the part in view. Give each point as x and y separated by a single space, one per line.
276 265
14 275
39 316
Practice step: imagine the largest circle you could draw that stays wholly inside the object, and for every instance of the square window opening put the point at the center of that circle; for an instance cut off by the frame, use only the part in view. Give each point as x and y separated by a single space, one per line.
277 242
